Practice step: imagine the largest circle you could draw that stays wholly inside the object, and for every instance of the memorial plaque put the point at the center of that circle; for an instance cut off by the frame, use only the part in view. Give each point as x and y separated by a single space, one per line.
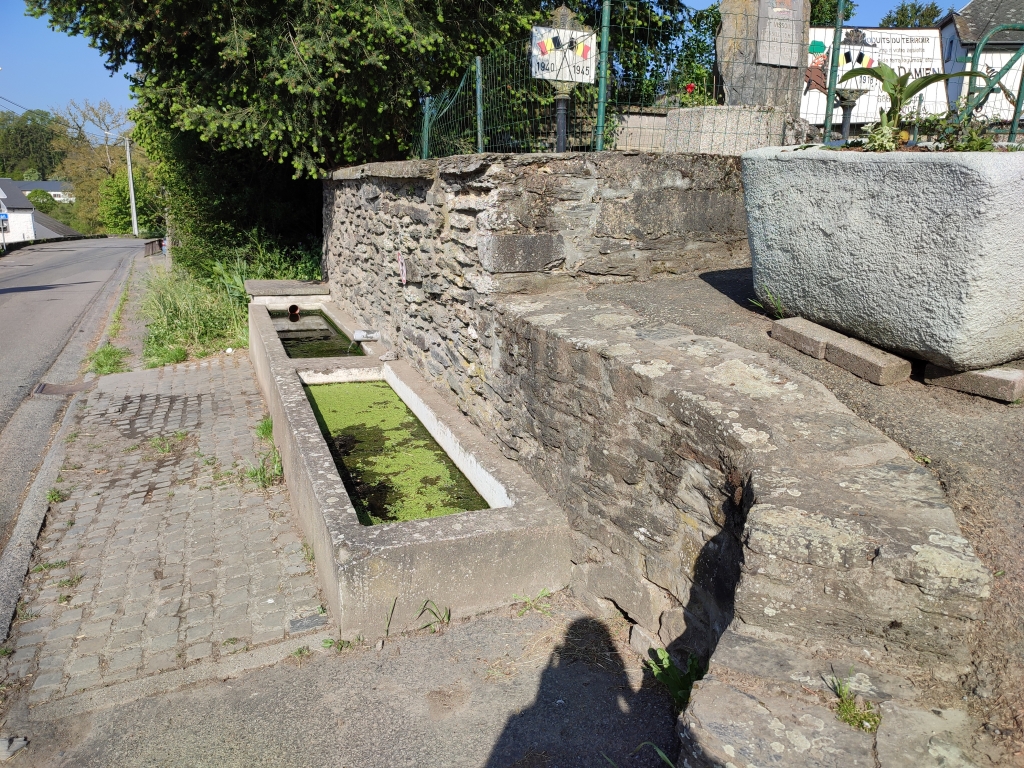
780 33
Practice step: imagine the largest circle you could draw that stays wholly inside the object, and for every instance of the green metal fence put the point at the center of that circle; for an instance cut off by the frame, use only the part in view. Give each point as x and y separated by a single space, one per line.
674 79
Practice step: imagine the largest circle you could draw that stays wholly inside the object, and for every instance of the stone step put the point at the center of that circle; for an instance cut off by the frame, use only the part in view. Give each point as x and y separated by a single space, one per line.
765 703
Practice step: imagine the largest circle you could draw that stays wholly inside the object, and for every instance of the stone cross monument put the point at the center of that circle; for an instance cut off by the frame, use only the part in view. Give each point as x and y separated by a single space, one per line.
762 53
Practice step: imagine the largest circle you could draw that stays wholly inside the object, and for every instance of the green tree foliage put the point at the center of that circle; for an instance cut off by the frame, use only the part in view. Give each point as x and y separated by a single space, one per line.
912 14
115 203
42 201
823 12
309 83
28 144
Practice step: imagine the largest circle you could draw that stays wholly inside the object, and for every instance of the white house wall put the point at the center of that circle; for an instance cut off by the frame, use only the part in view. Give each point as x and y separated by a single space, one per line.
21 225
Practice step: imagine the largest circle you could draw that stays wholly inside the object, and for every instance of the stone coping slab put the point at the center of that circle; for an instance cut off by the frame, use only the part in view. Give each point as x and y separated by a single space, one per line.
262 288
469 562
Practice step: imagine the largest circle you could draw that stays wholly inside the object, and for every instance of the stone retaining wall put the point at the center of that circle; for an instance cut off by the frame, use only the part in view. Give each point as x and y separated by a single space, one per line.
704 483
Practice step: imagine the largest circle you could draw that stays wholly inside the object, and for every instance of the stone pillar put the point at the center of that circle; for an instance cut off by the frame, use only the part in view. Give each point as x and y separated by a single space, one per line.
762 53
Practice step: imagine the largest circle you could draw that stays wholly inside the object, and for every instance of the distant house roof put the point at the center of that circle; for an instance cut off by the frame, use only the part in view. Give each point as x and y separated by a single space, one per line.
12 197
47 227
46 186
979 16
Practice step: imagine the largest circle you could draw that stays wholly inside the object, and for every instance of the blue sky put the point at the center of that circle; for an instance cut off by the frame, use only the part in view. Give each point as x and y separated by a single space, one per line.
42 69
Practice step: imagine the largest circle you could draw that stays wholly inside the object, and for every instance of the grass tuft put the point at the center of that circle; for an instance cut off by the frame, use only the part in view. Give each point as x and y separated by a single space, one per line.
857 714
44 567
189 317
772 304
109 359
265 428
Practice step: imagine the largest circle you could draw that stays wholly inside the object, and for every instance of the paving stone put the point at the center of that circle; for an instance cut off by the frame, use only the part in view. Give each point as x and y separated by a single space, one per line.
46 679
307 623
147 556
1006 384
199 651
855 356
84 664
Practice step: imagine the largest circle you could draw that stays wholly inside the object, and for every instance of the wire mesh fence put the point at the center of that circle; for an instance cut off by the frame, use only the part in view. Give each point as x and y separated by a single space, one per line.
682 80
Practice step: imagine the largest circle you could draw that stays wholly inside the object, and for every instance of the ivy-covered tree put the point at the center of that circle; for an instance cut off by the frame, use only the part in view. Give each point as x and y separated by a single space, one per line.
912 15
310 83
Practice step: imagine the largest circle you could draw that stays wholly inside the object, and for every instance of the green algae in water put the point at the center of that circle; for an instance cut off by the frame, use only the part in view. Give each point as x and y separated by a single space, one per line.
392 468
312 334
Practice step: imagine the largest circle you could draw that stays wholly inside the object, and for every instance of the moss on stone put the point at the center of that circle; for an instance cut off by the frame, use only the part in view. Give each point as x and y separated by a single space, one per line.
392 468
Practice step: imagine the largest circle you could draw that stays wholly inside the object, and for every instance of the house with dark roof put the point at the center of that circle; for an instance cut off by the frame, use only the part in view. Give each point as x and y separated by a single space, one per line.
58 190
962 30
19 223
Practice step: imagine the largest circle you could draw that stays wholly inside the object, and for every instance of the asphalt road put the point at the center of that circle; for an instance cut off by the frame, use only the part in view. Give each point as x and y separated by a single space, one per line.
54 303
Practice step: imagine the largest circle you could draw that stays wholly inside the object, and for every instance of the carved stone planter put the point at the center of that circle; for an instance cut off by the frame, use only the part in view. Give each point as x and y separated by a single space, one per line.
921 253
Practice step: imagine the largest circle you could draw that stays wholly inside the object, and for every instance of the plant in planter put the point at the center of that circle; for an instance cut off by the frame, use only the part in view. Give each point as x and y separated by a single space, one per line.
900 89
918 253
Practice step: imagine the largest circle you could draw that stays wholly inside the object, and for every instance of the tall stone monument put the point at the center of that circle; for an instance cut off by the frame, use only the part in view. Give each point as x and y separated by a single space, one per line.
762 53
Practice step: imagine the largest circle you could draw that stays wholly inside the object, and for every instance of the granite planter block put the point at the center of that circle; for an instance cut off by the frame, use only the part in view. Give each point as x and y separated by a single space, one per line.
915 252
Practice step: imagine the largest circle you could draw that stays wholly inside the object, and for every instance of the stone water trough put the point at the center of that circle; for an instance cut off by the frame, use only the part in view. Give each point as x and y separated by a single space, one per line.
469 562
919 253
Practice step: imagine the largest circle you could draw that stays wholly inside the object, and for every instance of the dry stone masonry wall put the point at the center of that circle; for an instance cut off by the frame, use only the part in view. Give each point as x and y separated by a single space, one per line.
713 493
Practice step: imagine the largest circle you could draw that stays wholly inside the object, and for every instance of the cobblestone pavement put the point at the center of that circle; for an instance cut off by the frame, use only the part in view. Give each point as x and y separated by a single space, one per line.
162 554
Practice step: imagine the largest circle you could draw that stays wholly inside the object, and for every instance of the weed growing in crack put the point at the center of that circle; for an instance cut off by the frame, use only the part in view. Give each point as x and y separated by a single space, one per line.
655 748
300 653
854 710
5 651
539 603
391 613
341 645
56 495
24 613
678 682
44 567
308 555
440 620
268 471
772 305
109 359
64 599
71 581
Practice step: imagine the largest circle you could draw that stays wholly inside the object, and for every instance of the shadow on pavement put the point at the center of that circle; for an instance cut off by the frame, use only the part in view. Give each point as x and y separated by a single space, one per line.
586 712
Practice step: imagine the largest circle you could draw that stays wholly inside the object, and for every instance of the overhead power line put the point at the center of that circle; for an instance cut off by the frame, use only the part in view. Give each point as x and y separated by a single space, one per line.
90 134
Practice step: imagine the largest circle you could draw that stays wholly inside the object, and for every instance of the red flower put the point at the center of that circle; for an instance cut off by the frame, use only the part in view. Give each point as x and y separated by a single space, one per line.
690 87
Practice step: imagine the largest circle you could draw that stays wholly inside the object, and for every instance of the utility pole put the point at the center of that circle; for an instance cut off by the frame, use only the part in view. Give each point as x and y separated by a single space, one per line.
131 186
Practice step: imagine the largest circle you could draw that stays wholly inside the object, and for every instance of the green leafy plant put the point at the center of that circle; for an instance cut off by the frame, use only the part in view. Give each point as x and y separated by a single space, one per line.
440 619
56 496
109 359
6 651
853 710
539 603
882 137
340 645
300 653
899 88
678 682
